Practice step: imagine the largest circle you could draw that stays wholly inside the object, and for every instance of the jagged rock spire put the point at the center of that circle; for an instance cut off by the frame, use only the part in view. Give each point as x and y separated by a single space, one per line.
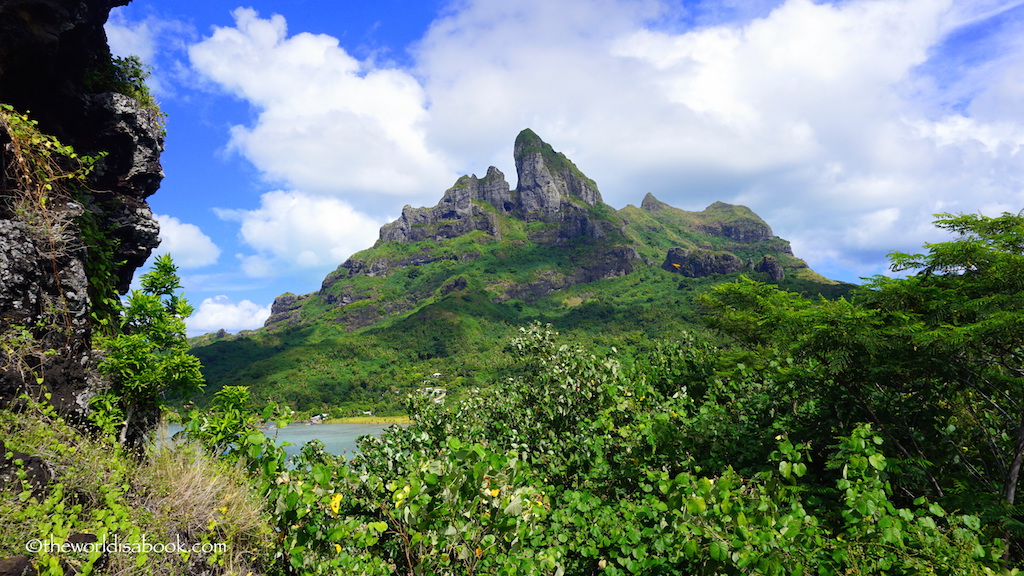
551 189
547 179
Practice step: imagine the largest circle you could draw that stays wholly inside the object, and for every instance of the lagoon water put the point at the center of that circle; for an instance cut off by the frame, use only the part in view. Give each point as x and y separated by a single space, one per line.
337 438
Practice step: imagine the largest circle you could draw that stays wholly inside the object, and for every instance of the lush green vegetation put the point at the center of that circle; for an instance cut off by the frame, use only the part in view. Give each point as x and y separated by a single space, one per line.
100 497
873 435
148 360
878 434
453 312
125 75
177 496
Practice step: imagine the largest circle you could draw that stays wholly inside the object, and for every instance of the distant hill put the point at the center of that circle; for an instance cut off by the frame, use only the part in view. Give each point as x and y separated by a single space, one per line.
435 299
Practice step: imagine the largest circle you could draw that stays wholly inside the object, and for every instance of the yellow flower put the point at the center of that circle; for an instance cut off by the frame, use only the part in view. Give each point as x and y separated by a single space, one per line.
335 503
495 492
337 548
479 552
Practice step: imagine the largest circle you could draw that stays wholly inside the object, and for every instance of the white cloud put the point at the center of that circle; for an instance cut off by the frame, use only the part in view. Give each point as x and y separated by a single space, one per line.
845 124
294 230
327 122
159 43
131 38
186 243
221 313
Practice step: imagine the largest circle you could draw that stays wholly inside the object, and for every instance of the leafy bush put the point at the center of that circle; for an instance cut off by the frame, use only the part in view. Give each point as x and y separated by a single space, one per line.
149 360
579 464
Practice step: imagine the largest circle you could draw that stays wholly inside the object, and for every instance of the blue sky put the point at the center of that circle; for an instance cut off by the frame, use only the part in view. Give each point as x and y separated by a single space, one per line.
296 129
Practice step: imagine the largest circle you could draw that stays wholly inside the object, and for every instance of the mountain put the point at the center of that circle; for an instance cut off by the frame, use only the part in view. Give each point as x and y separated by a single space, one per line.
443 287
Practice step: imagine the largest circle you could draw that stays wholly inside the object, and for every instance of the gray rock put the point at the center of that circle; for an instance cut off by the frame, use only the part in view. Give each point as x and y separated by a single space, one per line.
771 267
548 181
701 263
458 212
49 50
285 309
652 204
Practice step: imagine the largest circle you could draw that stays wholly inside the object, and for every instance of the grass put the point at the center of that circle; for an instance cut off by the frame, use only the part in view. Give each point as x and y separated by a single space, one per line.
172 495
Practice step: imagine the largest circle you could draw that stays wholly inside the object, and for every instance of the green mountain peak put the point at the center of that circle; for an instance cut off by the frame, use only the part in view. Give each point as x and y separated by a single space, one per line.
444 286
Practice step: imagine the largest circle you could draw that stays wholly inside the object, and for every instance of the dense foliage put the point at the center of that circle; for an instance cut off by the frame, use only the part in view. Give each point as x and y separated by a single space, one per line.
399 312
934 360
872 435
580 465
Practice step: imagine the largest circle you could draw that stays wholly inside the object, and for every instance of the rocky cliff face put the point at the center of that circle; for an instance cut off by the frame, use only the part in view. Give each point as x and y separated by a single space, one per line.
548 182
53 61
459 211
549 234
551 189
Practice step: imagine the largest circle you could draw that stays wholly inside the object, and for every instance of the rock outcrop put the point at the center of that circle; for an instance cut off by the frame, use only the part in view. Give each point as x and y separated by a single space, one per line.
459 211
652 204
548 181
746 228
551 189
771 268
285 309
701 263
55 65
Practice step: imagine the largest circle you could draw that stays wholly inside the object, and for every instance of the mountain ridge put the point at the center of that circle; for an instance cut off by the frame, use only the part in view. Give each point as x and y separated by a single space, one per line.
487 258
564 206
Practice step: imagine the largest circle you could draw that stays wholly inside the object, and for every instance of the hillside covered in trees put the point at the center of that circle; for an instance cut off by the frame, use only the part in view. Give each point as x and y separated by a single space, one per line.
639 391
444 288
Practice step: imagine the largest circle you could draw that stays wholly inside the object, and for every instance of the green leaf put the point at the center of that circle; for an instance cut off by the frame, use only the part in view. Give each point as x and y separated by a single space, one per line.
718 551
786 469
877 461
696 505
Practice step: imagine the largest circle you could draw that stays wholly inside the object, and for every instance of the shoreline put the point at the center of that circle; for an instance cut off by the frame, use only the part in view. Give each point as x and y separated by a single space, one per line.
369 420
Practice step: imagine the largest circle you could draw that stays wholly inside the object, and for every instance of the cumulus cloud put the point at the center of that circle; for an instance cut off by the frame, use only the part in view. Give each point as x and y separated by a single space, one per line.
159 43
823 117
220 312
327 123
131 38
846 125
186 243
295 230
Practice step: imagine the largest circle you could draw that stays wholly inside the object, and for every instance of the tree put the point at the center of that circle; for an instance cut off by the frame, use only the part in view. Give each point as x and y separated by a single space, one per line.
935 360
149 361
967 305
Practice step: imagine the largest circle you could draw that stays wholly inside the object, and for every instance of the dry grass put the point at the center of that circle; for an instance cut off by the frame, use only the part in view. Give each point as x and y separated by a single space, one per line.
196 499
176 495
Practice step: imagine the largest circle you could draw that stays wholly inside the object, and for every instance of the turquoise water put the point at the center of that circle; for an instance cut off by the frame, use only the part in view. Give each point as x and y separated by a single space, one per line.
337 438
